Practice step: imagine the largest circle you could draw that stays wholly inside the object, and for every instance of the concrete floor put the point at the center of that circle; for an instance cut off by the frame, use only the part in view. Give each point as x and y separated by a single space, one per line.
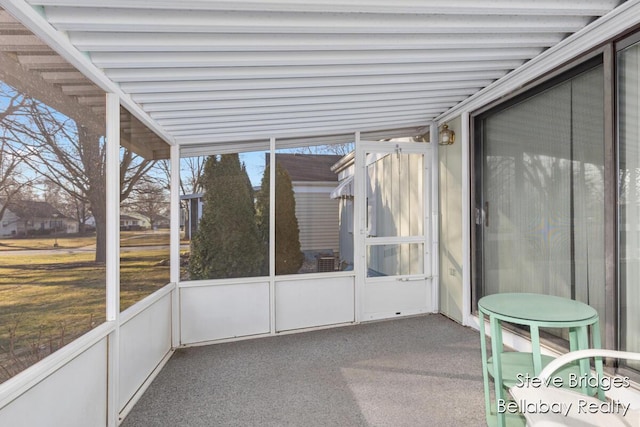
420 371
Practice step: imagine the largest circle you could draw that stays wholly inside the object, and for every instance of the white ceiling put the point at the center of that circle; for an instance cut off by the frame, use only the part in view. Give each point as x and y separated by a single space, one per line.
241 71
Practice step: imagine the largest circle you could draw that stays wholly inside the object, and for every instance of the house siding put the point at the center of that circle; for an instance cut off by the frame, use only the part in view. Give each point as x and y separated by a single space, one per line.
317 217
450 238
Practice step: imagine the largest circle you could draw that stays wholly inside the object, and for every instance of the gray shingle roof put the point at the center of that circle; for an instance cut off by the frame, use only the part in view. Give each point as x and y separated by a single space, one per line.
308 167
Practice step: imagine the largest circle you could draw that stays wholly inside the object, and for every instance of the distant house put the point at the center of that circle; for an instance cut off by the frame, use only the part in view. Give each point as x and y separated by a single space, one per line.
132 221
317 213
128 223
23 217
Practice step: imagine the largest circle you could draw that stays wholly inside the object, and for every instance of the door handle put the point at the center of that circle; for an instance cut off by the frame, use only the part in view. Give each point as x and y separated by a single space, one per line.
413 279
486 214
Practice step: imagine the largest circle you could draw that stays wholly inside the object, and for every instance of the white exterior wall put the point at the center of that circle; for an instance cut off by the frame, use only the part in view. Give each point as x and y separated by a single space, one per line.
10 224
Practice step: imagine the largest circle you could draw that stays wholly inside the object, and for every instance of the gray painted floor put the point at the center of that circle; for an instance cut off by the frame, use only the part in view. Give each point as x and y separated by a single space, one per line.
420 371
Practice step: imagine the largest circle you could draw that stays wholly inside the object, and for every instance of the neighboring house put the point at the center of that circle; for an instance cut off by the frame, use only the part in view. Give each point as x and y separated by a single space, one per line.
317 213
22 217
143 221
128 222
134 221
137 221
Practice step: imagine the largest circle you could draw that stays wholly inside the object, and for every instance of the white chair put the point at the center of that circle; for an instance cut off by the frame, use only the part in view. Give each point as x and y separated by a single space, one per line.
571 408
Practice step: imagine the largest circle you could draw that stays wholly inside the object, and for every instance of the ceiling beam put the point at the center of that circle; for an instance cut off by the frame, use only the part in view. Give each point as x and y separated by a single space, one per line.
257 122
319 82
273 59
292 113
252 72
261 94
220 42
297 133
302 101
466 7
196 21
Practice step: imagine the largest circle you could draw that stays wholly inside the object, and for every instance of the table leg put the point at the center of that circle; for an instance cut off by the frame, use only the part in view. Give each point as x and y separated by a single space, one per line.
535 349
583 344
485 366
595 335
496 354
573 339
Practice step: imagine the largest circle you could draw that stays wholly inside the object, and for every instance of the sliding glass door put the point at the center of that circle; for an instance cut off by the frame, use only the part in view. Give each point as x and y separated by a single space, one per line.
540 204
557 212
629 194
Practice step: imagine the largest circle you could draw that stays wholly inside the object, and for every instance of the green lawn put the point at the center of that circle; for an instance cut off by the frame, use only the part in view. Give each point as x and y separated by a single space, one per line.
47 300
127 239
64 242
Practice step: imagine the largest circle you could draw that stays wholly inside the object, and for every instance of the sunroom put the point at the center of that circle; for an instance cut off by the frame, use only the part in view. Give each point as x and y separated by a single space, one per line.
150 131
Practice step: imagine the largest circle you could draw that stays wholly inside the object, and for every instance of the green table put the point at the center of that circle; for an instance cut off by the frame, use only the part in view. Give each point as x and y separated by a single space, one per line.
536 311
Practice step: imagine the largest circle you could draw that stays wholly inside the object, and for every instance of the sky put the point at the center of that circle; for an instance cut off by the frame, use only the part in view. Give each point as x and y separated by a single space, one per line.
255 164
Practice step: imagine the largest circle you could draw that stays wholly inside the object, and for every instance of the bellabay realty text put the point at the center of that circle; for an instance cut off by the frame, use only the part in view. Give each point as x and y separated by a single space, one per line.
572 381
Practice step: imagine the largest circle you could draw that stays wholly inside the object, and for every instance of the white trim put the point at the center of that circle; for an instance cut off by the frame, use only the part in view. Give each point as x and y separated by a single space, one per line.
435 215
222 282
237 135
311 276
465 140
175 213
145 303
399 6
272 235
37 24
315 328
356 235
113 253
398 240
175 244
226 340
112 185
603 29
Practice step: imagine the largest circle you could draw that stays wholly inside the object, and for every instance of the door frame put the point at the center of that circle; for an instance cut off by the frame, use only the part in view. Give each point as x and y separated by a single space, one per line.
428 237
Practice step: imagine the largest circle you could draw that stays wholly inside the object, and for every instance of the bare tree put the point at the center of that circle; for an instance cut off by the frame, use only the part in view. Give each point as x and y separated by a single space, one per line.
12 180
150 199
69 206
341 149
191 171
73 157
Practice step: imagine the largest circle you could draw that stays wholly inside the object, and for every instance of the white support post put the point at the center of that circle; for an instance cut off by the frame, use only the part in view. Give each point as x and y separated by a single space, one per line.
272 235
113 252
435 216
465 140
359 224
175 245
